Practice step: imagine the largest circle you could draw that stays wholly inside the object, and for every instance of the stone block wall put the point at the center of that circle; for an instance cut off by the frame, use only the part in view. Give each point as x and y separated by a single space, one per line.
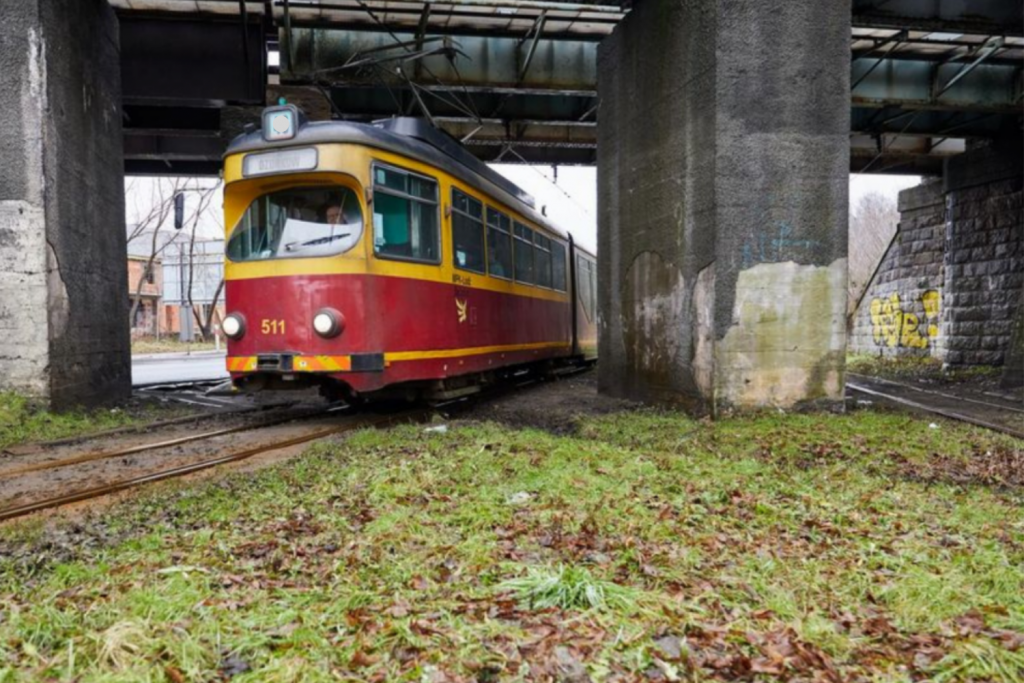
951 283
984 254
1013 370
898 314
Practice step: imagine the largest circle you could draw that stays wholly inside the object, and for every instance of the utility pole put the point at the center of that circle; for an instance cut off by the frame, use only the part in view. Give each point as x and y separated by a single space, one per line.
184 308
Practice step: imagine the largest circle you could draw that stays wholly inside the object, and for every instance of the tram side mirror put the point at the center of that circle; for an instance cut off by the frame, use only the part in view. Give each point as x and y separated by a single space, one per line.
179 211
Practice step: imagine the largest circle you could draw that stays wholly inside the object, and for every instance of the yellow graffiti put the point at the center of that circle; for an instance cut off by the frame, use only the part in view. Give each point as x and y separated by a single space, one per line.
930 301
892 326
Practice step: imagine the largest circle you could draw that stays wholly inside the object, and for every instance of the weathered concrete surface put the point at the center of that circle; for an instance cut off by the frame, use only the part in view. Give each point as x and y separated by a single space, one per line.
900 311
63 304
722 169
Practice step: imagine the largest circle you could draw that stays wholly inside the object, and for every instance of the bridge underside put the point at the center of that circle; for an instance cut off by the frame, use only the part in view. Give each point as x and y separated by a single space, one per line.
517 81
747 217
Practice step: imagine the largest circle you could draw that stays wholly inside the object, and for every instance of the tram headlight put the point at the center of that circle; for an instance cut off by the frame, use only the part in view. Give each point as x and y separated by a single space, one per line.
234 326
328 323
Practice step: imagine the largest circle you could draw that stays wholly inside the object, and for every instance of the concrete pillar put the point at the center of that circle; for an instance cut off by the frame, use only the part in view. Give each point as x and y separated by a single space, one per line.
63 283
723 164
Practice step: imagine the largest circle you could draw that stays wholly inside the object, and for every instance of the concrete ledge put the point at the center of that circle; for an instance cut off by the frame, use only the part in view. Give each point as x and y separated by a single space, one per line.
983 165
925 195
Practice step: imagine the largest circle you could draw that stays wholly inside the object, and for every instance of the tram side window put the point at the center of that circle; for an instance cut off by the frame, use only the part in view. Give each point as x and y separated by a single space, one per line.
499 244
586 281
558 266
467 232
524 254
405 224
542 259
593 288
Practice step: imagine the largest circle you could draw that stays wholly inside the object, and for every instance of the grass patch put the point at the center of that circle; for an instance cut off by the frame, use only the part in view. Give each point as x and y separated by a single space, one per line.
980 660
917 367
22 420
169 345
568 588
647 546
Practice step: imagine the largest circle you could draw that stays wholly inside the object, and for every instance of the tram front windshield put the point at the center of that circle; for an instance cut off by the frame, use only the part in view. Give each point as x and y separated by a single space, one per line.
298 222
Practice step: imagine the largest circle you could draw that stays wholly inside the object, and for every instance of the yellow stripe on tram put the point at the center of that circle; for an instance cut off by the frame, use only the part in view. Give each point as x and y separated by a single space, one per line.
241 363
344 363
322 363
471 351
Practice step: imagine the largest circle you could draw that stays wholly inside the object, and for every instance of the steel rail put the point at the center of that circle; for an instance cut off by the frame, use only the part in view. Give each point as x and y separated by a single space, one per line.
142 448
106 489
911 387
36 446
937 411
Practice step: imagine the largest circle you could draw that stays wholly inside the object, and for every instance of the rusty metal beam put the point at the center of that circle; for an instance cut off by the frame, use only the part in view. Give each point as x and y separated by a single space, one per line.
1003 17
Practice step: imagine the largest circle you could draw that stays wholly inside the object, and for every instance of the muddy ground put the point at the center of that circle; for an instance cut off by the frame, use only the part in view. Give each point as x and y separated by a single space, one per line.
554 406
25 476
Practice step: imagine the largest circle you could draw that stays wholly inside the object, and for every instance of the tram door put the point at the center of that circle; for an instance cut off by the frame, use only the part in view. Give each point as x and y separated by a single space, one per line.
468 259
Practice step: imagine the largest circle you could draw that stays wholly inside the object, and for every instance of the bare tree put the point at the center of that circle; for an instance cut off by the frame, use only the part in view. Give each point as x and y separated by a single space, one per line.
204 321
150 225
873 222
153 225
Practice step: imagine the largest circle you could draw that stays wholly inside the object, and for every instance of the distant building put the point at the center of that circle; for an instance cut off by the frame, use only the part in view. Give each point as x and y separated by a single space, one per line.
197 267
146 319
179 267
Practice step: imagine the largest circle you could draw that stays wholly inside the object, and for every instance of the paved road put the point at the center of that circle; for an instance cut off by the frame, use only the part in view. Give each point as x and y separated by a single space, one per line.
177 367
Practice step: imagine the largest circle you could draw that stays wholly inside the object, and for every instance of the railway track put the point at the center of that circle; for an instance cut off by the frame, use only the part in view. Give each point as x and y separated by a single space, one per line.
942 404
350 423
168 443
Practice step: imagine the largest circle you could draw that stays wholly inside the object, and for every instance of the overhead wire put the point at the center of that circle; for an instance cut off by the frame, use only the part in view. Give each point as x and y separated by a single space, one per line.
533 167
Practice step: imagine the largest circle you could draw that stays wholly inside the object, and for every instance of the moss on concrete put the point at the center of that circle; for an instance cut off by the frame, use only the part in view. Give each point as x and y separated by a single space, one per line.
787 342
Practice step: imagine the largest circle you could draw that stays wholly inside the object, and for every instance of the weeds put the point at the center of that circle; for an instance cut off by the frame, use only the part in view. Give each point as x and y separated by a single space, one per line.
24 420
980 659
568 588
912 367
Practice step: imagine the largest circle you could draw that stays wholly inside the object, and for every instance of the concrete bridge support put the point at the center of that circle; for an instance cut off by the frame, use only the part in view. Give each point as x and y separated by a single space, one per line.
723 161
984 256
63 282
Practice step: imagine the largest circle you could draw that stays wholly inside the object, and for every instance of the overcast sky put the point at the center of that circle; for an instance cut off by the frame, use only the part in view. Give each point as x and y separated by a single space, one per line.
571 202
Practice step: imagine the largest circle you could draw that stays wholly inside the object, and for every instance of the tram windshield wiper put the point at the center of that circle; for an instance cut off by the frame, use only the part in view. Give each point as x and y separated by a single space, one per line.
292 246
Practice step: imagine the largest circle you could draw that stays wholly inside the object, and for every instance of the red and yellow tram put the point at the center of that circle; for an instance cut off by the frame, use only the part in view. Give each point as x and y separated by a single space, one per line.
383 259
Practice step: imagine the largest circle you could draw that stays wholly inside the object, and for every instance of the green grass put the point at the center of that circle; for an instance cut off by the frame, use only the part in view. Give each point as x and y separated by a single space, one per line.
768 547
568 588
141 345
913 367
24 420
979 659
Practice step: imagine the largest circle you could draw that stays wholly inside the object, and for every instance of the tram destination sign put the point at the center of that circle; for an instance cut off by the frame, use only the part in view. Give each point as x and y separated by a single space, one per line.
281 161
